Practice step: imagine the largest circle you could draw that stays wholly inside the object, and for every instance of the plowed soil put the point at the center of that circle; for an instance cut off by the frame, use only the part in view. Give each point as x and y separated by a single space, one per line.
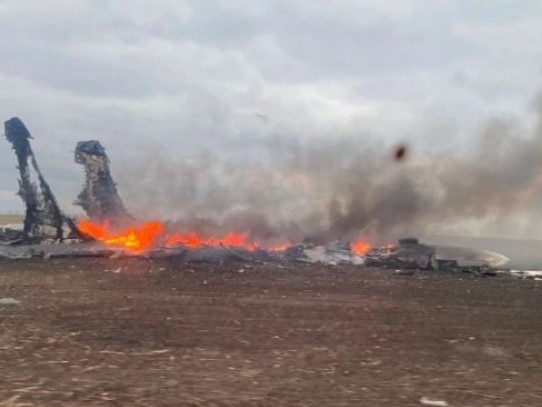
140 332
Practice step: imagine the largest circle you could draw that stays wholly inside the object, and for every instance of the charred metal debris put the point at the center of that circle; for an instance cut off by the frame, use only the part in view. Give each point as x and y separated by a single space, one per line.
99 197
100 200
410 254
43 217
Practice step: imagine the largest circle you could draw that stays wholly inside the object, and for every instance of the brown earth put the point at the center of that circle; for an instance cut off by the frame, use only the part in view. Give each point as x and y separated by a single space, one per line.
134 332
6 219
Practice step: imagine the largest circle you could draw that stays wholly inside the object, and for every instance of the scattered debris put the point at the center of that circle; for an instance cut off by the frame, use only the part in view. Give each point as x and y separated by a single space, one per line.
435 403
326 255
235 253
526 274
45 223
411 254
333 253
99 197
52 251
9 301
11 234
43 218
467 257
403 259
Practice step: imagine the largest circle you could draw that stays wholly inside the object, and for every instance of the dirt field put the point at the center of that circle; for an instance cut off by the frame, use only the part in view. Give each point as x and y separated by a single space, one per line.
129 332
7 219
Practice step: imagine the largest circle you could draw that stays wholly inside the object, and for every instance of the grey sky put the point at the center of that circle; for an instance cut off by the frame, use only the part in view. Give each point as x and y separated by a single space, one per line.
226 76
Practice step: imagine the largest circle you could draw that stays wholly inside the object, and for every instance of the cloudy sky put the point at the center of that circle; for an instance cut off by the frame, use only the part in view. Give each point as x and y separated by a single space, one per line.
181 78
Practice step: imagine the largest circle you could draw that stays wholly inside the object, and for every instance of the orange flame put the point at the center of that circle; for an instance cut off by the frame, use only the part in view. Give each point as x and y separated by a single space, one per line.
137 238
360 247
145 236
279 248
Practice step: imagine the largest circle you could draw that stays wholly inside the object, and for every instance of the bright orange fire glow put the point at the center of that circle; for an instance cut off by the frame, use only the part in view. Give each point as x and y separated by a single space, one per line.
360 247
279 248
145 236
137 238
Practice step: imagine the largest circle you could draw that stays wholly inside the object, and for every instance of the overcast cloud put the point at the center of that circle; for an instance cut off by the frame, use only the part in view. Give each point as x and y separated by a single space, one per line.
239 84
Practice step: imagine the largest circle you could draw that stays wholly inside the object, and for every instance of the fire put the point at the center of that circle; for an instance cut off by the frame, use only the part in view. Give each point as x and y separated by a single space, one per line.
279 248
136 238
360 247
145 236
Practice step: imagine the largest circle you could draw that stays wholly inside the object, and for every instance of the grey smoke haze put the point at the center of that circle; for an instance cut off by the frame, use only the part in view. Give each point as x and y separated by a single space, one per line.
283 113
347 187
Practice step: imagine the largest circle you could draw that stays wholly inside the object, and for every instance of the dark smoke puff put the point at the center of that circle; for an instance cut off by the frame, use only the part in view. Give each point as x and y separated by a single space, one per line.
400 152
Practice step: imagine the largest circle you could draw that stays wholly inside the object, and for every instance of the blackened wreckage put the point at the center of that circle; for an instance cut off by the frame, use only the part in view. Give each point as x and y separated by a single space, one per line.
43 217
99 197
101 202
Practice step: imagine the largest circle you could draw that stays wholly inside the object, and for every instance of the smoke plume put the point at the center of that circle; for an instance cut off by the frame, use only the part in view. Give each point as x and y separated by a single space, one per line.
347 187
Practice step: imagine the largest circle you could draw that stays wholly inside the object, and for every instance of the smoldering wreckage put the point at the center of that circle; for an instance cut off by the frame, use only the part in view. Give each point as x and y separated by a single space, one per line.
110 230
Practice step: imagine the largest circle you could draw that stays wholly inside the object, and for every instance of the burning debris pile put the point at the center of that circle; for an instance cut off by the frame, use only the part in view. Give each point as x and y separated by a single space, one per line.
110 230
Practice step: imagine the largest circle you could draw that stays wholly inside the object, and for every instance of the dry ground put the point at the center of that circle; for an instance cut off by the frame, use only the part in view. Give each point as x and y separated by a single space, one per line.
132 332
7 219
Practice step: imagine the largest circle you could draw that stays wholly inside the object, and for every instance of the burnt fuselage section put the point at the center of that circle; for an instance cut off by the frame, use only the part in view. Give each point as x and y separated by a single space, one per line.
99 197
43 217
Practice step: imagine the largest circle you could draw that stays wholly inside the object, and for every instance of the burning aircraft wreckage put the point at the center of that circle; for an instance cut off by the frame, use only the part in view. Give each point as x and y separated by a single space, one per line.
110 230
